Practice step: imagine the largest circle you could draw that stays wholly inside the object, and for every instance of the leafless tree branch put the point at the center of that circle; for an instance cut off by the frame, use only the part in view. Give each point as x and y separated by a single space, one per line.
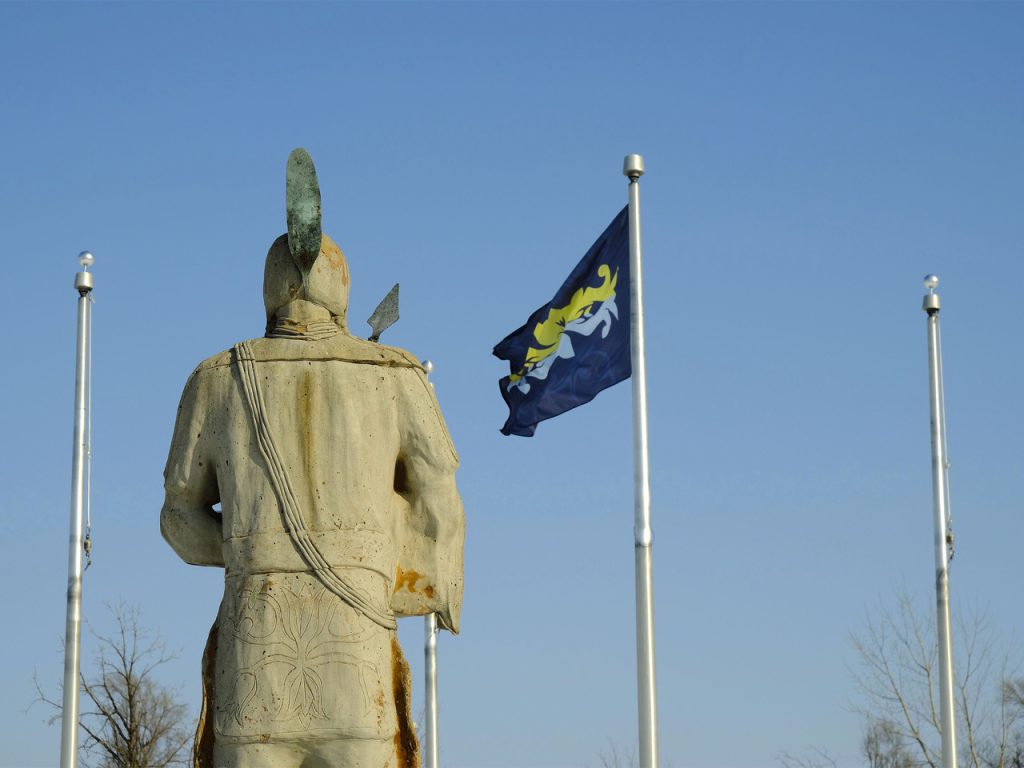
130 720
815 757
896 674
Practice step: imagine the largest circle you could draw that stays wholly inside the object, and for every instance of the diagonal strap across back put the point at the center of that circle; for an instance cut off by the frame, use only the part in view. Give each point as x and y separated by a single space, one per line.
290 510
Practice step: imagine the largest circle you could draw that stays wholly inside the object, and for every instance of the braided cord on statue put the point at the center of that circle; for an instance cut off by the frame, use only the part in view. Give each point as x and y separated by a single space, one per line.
289 504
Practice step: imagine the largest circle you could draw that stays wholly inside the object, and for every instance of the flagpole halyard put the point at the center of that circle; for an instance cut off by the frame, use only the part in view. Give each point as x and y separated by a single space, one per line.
647 706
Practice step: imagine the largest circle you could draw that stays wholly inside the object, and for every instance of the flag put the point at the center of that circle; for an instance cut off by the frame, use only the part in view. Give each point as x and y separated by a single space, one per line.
575 345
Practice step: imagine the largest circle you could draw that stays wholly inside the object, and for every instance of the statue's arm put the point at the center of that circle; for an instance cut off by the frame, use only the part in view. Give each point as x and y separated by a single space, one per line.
429 462
193 529
188 521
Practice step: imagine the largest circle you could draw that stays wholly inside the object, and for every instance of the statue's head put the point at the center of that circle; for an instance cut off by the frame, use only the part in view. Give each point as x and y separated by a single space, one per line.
304 265
326 283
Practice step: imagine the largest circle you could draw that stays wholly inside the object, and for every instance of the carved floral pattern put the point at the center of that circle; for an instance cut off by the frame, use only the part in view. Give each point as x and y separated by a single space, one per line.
298 633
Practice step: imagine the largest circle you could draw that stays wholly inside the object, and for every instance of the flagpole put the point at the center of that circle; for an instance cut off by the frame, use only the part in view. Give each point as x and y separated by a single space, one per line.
73 626
647 705
430 693
940 494
430 749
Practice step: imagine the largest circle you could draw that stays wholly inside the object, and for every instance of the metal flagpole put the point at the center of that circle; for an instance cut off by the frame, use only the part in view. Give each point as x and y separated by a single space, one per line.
940 492
430 668
430 671
647 705
73 627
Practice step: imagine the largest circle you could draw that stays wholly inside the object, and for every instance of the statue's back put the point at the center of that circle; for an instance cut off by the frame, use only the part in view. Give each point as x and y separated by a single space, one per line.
334 473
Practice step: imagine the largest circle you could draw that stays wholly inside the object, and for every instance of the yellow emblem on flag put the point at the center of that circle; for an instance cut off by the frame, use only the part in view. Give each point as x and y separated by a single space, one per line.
549 333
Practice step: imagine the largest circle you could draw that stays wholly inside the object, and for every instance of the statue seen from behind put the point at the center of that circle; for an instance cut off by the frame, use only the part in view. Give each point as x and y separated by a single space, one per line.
335 476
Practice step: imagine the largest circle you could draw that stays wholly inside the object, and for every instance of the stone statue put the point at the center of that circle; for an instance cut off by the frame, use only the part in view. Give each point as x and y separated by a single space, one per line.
335 476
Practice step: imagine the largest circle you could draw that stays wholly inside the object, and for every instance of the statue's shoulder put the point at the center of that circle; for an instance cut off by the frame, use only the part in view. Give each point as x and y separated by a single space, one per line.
363 351
388 355
214 363
343 348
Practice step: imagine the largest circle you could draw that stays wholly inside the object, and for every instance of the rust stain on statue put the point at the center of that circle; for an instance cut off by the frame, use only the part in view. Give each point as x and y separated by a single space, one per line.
407 748
408 579
202 751
306 406
331 253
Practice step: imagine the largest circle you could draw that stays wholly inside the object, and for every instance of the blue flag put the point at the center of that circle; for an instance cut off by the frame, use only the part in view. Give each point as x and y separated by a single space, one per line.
575 345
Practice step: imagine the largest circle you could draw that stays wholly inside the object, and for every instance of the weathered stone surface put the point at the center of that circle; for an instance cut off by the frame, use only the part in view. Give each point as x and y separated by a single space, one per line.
335 476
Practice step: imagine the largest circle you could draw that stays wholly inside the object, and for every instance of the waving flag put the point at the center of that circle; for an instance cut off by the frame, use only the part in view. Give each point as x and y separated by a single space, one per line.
575 345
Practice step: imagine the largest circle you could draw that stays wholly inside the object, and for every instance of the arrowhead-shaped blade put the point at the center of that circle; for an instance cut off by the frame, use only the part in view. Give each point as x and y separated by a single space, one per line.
302 205
385 315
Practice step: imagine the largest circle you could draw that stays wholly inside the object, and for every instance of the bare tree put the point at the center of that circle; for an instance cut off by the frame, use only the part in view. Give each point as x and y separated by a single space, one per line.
815 757
1013 692
129 718
883 746
617 756
614 759
897 675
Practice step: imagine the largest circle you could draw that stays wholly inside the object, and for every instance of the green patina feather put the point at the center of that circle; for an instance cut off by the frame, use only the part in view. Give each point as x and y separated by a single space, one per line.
302 200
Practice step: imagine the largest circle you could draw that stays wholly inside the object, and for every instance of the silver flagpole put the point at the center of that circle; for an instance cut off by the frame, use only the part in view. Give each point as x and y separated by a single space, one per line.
430 671
73 627
940 493
647 704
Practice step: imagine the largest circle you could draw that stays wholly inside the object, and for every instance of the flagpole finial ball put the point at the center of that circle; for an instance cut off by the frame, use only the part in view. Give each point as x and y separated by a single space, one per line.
931 282
86 259
633 166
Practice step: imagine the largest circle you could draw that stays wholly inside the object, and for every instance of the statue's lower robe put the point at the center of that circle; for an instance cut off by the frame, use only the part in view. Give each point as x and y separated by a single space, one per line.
291 664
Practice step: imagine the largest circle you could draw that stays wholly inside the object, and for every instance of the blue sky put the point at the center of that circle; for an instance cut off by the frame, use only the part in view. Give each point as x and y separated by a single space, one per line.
807 164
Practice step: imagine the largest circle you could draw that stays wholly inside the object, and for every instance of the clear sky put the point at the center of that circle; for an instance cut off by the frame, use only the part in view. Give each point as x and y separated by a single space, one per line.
807 164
